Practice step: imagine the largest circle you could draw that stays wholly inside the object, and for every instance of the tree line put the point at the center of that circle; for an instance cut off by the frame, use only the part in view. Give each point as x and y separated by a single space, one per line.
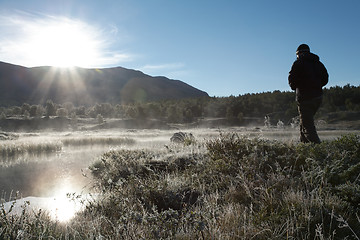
276 105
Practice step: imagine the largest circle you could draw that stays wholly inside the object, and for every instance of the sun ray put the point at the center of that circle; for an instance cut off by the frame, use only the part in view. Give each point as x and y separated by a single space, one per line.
70 85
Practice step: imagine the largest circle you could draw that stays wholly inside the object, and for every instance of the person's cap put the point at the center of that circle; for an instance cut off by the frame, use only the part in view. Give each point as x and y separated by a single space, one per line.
303 48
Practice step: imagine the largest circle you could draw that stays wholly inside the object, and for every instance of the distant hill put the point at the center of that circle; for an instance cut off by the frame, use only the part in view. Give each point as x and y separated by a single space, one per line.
83 86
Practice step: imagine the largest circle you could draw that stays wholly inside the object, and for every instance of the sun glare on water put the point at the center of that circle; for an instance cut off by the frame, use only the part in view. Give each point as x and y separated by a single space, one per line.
61 207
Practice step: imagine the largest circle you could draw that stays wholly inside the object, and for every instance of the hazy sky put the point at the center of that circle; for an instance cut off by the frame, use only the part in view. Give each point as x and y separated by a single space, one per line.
224 47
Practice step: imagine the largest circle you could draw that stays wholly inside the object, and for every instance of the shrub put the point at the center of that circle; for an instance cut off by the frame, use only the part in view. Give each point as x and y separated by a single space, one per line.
61 112
100 119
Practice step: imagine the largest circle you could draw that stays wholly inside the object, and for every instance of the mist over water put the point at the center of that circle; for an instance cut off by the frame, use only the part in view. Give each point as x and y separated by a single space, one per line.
41 175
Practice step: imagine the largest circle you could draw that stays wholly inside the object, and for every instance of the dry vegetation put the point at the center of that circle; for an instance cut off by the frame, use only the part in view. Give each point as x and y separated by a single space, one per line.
32 147
227 187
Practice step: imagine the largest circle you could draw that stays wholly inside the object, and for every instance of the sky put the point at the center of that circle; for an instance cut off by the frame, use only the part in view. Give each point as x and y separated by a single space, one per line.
223 47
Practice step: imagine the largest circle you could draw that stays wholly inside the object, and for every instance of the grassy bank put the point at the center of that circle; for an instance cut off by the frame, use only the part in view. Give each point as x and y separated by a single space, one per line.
231 187
13 150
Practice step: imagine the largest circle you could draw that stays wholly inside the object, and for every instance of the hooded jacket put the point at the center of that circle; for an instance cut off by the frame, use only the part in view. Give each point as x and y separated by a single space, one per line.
307 76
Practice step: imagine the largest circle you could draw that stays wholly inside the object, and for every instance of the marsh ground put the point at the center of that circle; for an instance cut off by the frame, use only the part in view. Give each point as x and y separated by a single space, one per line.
230 183
47 164
41 173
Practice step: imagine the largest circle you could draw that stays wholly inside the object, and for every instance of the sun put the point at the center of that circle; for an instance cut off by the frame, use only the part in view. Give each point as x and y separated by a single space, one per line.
34 40
62 44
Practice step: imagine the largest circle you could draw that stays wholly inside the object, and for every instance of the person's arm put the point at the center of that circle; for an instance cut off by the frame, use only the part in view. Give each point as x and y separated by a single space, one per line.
293 76
325 76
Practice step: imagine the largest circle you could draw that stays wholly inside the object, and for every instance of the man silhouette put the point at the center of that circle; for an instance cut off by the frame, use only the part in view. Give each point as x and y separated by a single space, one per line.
307 77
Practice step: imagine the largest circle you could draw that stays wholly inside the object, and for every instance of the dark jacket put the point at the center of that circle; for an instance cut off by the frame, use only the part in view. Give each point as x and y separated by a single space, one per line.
307 76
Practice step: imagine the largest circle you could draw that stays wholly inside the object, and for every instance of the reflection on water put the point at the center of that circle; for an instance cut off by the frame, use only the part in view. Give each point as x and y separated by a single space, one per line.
43 176
60 208
45 183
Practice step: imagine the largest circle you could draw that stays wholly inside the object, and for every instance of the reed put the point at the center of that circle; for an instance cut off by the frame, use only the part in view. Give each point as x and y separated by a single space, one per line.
10 151
84 141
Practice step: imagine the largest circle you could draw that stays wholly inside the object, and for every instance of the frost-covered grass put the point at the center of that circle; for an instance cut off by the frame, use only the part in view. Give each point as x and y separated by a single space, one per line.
86 141
10 151
33 147
224 187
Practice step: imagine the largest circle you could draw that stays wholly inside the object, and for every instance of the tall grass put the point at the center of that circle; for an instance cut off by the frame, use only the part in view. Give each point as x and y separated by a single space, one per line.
231 187
10 151
88 141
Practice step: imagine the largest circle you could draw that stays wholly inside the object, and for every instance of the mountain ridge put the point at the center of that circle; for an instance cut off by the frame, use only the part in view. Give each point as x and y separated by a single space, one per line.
87 86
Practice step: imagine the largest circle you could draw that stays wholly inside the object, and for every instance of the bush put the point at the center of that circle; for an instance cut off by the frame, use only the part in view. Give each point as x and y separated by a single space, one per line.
61 112
100 119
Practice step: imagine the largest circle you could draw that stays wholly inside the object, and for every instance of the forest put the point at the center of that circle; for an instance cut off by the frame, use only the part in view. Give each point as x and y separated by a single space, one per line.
339 103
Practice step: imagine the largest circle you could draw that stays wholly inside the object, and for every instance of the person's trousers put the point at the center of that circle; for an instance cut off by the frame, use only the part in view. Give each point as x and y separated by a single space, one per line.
307 110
